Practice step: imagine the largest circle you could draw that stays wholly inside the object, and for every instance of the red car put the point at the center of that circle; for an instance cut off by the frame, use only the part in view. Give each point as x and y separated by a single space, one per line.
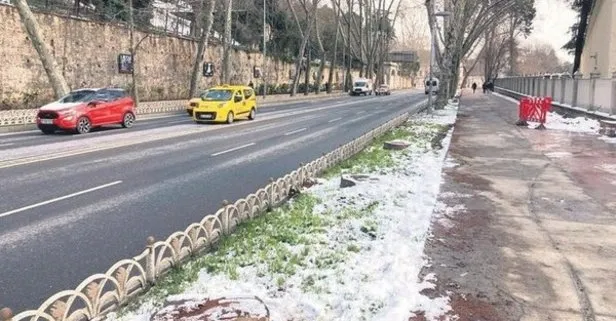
83 109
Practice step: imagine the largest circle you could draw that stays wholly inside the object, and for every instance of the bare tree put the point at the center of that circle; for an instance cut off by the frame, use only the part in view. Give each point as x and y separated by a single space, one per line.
333 65
208 18
305 35
227 44
58 83
323 54
467 23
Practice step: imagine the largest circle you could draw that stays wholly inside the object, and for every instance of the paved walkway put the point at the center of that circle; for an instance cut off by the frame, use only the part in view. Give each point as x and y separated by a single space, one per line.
528 226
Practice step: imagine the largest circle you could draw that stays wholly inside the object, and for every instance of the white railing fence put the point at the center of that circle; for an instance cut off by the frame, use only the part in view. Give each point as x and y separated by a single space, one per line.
102 293
593 94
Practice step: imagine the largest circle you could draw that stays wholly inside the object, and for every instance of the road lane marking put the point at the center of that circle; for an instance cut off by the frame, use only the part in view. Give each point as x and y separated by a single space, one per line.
186 121
295 131
118 143
232 149
7 144
335 119
58 199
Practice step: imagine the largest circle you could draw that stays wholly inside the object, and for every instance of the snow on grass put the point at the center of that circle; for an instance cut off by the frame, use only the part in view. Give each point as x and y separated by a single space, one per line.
333 253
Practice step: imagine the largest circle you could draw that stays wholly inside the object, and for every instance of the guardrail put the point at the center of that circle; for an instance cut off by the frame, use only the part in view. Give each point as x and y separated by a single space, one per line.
102 293
28 116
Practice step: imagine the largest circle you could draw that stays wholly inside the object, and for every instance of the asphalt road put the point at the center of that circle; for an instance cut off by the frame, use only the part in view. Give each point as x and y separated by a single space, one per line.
72 205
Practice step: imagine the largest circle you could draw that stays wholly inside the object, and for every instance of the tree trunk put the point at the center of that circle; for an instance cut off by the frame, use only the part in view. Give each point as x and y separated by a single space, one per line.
349 56
133 53
319 79
58 83
201 48
226 60
307 75
332 66
298 62
361 38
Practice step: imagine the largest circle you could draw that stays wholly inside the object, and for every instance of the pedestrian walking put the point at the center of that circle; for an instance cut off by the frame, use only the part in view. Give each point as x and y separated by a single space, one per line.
484 87
474 86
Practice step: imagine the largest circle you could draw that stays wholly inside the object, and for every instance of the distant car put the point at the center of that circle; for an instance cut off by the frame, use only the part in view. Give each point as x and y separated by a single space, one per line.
383 90
84 109
192 104
225 104
362 86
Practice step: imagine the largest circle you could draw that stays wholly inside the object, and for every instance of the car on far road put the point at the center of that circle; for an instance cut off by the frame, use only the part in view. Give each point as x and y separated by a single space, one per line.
193 103
383 90
225 104
362 86
84 109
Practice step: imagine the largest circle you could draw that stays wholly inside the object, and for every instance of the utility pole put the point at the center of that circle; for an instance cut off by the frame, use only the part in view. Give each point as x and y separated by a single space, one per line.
226 61
264 51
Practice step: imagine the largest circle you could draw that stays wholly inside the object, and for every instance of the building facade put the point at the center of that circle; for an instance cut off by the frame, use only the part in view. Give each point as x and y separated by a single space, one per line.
599 54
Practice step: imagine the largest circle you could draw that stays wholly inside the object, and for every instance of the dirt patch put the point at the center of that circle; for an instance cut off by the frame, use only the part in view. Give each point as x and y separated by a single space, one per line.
467 308
474 181
220 309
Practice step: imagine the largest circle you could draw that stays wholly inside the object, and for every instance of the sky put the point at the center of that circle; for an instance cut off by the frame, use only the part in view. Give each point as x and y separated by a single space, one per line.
551 25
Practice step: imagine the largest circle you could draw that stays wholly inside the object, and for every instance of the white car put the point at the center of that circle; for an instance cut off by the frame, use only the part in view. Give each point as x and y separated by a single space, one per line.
362 86
383 90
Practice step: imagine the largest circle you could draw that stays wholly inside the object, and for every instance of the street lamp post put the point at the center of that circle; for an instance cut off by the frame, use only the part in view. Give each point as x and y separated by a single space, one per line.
432 44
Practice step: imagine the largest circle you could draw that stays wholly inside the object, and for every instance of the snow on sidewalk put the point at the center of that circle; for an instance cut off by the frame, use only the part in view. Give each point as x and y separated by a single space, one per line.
362 255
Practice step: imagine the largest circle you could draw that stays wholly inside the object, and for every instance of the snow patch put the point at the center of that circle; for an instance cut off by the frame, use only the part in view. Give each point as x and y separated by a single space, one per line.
383 251
576 124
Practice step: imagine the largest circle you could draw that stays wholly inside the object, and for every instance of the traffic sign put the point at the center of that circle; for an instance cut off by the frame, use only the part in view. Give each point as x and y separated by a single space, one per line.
208 69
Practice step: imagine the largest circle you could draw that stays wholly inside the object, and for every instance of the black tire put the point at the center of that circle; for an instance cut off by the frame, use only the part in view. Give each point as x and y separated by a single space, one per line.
128 120
83 125
229 118
48 131
253 114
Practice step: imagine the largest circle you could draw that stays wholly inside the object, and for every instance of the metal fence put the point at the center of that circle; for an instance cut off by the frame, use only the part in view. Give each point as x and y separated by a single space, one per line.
596 95
102 293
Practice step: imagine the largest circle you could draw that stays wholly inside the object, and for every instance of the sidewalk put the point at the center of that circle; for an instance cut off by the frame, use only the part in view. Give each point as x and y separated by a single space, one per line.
525 228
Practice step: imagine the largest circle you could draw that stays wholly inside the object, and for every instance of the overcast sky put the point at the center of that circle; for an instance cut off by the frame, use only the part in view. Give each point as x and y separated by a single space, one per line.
551 25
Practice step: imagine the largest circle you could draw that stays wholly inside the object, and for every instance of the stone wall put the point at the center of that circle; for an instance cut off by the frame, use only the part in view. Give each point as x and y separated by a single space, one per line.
87 52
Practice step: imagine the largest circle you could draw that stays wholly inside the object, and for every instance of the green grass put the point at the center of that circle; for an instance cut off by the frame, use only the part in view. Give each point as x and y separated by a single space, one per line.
375 157
293 237
266 241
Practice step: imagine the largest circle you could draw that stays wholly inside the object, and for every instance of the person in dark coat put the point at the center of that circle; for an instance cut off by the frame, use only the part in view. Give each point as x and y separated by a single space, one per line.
474 86
484 87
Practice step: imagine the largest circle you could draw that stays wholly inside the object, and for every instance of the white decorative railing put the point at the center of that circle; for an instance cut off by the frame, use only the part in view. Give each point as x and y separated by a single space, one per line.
592 95
100 294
